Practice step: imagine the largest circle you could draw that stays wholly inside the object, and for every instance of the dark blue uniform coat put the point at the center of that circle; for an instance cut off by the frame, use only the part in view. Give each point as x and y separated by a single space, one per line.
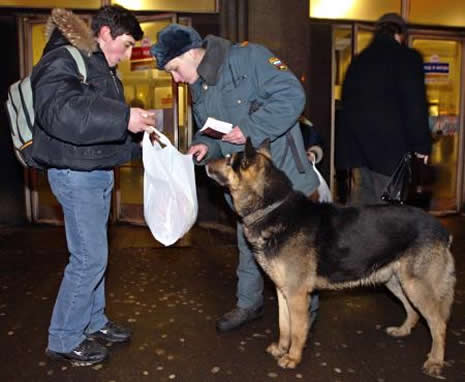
247 86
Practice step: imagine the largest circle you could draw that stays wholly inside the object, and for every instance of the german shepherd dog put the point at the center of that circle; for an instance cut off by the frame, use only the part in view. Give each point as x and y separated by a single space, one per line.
303 246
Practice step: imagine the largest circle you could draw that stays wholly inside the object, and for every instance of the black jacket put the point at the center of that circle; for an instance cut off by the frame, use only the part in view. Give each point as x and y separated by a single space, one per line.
384 108
81 126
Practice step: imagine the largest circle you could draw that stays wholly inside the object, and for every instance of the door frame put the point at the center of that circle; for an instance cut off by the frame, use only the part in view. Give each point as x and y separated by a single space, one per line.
459 37
354 29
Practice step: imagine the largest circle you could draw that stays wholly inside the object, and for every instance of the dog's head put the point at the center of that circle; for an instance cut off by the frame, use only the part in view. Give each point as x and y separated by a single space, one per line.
250 177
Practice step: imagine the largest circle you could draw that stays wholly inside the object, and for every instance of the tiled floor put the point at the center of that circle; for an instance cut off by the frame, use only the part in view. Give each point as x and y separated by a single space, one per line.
170 297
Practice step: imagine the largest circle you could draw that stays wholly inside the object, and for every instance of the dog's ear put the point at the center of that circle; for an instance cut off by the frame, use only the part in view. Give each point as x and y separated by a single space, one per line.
265 148
249 153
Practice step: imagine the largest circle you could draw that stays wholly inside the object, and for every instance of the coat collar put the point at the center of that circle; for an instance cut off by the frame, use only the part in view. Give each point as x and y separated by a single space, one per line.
217 49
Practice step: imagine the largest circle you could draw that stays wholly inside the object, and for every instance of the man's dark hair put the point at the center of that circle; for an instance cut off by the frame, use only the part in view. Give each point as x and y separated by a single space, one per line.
389 29
119 20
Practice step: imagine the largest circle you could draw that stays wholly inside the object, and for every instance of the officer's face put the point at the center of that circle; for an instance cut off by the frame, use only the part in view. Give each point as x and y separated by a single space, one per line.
183 68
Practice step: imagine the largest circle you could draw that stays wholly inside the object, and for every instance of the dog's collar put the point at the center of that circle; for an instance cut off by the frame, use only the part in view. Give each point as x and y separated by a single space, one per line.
261 213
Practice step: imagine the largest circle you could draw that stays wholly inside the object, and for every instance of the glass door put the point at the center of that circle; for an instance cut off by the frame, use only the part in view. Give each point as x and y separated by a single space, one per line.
151 89
444 83
348 41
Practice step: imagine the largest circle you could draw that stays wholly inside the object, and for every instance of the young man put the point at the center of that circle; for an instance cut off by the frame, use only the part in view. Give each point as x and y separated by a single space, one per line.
82 130
384 110
246 85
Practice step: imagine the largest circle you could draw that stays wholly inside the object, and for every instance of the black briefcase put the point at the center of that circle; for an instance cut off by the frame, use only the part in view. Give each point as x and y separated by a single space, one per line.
410 183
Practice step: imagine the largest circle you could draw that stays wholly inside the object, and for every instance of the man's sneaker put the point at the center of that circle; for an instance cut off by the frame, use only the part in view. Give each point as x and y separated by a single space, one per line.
237 317
111 333
87 353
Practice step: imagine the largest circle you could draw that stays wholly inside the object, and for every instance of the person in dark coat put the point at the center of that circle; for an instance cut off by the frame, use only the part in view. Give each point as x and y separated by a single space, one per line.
384 110
83 130
247 86
313 143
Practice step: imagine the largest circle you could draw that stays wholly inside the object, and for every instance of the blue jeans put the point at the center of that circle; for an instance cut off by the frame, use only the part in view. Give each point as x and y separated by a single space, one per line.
79 308
368 186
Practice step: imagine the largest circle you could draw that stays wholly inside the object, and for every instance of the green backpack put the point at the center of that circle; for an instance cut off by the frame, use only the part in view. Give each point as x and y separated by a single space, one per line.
20 108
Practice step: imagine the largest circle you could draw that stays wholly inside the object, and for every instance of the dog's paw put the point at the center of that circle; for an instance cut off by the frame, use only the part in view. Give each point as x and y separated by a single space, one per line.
275 350
397 331
433 369
286 362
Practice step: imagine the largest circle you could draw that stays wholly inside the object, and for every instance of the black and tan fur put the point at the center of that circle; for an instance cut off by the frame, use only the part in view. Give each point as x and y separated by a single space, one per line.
304 246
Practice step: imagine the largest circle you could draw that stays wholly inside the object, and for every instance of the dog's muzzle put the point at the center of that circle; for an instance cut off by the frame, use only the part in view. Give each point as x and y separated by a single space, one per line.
214 172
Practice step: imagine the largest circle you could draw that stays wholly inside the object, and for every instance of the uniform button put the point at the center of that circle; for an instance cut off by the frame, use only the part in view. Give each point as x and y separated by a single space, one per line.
239 101
205 86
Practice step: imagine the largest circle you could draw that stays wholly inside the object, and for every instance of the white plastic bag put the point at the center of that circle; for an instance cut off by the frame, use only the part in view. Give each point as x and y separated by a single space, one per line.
170 196
323 190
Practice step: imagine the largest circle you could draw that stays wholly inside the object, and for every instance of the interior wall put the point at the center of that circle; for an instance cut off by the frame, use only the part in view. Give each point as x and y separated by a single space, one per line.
284 28
319 83
204 23
12 208
234 15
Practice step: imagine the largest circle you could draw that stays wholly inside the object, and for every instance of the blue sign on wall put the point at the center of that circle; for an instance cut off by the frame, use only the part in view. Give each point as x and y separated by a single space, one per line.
436 67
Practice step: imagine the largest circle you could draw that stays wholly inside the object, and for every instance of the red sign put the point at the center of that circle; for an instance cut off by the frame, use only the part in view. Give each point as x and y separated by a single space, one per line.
140 53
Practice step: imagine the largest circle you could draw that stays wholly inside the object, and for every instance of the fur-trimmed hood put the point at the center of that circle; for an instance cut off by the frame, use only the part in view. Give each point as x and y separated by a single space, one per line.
72 30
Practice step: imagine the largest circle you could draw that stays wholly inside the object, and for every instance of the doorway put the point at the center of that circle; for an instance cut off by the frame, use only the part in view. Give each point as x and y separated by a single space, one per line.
444 79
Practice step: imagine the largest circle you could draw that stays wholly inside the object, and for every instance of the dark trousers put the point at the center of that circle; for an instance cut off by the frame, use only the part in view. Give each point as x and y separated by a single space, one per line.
367 186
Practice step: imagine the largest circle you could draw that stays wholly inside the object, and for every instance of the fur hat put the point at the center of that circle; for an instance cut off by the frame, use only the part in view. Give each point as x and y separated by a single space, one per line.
393 18
173 41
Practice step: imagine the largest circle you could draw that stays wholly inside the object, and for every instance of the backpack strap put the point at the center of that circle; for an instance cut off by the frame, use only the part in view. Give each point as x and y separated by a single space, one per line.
77 55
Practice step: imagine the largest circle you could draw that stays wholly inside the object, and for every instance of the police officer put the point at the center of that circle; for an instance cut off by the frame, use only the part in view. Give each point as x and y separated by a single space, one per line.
249 87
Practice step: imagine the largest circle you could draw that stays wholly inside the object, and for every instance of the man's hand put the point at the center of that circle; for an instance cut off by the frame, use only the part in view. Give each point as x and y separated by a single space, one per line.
422 156
140 120
235 136
198 151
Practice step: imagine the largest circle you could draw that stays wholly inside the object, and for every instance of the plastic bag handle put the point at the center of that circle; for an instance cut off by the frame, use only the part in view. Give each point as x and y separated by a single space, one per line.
162 137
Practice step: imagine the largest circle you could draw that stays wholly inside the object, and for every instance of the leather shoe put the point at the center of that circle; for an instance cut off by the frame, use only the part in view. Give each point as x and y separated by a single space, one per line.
111 333
87 353
237 318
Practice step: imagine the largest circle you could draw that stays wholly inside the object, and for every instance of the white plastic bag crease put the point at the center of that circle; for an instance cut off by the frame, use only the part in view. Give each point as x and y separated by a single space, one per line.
323 190
170 196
